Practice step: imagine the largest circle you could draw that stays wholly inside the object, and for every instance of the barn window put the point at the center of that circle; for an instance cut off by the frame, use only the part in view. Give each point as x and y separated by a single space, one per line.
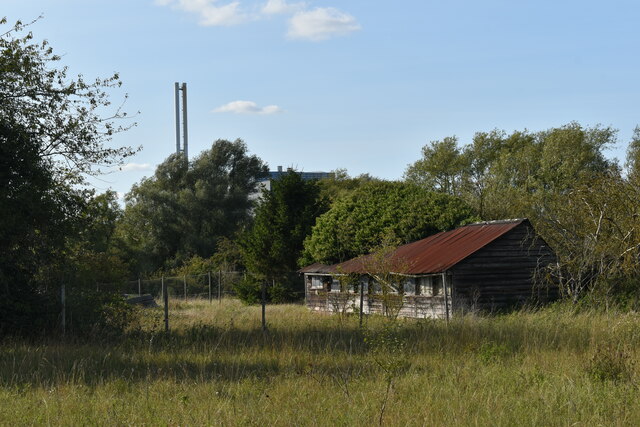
436 285
364 281
375 286
424 285
430 285
335 285
410 286
316 282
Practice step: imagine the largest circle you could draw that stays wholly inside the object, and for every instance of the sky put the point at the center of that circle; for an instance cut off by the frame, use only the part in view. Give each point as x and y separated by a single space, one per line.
359 84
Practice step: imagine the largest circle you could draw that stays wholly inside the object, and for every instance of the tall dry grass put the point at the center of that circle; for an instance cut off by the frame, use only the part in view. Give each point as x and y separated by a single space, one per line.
550 367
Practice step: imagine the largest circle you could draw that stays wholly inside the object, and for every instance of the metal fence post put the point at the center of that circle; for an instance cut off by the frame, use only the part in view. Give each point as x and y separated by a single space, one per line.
361 301
264 304
165 297
446 296
209 278
63 320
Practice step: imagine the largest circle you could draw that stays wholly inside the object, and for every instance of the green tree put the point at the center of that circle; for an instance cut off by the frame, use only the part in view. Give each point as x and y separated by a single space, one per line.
341 184
67 118
53 131
283 219
185 210
441 167
358 222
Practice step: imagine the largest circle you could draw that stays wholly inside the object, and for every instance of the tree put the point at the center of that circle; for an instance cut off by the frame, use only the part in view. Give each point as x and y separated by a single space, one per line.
595 230
632 163
341 184
65 117
185 210
53 131
283 219
441 167
358 222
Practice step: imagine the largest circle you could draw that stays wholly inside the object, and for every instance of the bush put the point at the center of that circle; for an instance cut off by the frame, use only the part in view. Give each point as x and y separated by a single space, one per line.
98 314
610 362
285 289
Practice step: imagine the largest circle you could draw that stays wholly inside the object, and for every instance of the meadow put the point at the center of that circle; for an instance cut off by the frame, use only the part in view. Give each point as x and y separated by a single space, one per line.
216 367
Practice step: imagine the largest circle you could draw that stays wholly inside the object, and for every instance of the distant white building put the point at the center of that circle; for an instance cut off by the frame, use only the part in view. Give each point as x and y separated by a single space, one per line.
265 183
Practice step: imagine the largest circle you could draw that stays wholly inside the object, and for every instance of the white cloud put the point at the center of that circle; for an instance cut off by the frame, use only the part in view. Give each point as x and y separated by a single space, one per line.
321 24
278 7
136 167
210 13
316 24
247 107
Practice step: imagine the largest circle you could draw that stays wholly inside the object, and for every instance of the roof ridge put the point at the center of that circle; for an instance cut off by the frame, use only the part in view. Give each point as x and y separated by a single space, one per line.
497 221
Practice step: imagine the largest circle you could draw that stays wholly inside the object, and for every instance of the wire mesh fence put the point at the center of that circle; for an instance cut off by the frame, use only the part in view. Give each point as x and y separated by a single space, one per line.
211 285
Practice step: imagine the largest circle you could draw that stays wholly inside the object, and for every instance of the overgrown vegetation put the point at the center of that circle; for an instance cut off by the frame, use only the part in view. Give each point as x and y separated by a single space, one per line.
556 366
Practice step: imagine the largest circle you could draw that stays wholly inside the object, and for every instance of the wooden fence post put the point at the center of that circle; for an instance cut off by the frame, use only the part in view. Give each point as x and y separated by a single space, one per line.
165 297
139 287
184 282
219 286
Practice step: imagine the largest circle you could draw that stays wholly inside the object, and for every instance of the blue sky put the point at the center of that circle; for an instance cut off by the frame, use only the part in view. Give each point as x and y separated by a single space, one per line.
362 85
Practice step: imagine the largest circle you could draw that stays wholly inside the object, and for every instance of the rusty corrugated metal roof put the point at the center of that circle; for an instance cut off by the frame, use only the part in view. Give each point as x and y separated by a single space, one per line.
437 253
317 268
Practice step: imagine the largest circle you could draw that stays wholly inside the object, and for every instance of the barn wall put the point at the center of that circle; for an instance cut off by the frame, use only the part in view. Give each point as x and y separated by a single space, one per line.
501 274
349 302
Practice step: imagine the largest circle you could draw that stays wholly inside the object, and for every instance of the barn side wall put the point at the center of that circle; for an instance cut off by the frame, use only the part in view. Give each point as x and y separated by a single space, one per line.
349 302
501 275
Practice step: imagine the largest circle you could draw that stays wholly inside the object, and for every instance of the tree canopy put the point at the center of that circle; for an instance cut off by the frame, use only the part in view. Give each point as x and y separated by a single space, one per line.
357 223
54 130
185 209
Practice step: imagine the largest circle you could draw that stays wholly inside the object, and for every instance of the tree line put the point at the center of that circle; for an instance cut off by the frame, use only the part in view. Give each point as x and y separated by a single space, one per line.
203 214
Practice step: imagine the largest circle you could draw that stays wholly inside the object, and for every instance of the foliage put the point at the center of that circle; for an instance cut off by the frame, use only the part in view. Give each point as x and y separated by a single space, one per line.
53 131
188 209
98 315
610 362
285 288
65 117
579 201
386 271
502 175
358 222
283 219
341 184
441 167
595 231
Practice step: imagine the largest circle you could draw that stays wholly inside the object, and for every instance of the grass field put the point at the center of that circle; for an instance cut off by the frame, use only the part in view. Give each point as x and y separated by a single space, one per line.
216 367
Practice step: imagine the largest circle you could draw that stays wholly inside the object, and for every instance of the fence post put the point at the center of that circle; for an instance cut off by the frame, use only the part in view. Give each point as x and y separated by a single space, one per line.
184 282
209 277
219 286
264 303
165 297
139 287
63 320
446 296
361 301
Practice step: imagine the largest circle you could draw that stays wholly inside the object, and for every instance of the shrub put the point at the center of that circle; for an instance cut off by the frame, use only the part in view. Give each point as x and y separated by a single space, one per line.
610 362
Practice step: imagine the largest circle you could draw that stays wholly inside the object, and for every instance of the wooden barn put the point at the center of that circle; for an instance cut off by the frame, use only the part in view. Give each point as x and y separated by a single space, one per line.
486 266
